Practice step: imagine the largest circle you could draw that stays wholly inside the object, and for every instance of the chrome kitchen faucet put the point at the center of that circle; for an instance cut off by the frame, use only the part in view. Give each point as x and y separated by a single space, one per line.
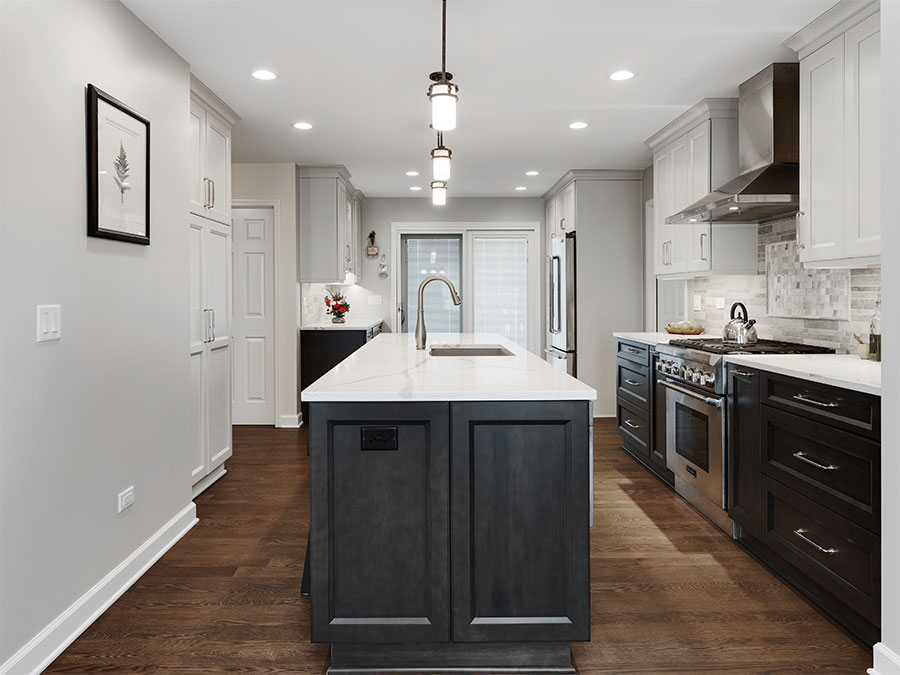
421 333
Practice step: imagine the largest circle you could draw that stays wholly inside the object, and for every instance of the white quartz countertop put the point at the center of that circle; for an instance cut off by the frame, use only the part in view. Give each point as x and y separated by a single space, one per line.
838 370
648 338
349 324
390 368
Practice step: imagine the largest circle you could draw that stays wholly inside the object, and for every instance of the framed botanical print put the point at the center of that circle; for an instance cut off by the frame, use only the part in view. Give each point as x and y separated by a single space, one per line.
118 159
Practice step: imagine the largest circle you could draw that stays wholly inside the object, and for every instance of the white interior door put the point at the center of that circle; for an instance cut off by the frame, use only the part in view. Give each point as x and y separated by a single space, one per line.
253 326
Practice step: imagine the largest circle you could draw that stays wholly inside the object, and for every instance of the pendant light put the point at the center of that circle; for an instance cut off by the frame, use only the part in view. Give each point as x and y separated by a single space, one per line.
443 93
440 160
438 192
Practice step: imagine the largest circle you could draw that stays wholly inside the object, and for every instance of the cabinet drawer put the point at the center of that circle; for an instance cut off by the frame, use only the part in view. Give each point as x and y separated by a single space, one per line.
633 383
634 426
836 469
633 351
842 408
836 554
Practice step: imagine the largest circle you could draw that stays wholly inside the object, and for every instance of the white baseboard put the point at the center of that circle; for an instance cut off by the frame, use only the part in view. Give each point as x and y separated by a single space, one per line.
886 661
290 422
44 647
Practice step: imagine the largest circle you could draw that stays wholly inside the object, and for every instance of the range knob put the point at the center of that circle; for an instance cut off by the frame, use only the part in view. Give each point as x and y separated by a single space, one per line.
711 379
687 373
696 376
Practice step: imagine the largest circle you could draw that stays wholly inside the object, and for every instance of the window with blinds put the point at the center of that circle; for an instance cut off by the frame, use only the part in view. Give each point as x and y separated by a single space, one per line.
499 286
426 255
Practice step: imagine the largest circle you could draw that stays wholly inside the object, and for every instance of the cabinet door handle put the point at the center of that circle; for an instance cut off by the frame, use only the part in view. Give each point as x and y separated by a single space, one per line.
213 204
631 424
803 458
702 247
206 314
632 350
811 401
562 223
800 532
742 373
213 312
205 196
797 219
633 383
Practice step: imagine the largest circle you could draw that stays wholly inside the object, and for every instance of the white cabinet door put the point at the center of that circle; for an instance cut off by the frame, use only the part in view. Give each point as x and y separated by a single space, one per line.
699 258
862 46
820 221
197 149
566 214
198 334
699 149
218 168
680 191
219 359
661 205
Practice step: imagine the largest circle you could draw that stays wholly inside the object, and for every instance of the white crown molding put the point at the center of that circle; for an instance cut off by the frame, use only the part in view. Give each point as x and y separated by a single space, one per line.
886 660
44 647
707 109
326 171
823 29
592 174
209 98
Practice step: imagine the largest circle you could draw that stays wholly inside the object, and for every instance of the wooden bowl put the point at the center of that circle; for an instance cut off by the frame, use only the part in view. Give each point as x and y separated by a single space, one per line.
671 331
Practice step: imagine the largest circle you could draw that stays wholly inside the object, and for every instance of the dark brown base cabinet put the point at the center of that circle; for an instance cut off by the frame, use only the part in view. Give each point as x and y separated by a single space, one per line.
641 408
445 534
803 487
322 350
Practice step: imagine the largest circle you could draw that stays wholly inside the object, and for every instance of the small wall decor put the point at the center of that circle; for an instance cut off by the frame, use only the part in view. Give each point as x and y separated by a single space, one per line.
118 162
372 249
795 292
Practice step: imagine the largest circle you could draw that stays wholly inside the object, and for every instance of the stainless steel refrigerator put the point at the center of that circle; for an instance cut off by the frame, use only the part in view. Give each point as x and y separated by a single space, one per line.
561 350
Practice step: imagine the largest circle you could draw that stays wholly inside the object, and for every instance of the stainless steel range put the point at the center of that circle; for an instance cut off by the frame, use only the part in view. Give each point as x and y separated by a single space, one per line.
693 373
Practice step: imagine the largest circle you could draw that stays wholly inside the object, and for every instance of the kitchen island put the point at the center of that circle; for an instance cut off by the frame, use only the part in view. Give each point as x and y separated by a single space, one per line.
450 509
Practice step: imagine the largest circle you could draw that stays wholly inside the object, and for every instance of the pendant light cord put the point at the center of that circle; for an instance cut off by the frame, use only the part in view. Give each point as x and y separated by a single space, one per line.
444 39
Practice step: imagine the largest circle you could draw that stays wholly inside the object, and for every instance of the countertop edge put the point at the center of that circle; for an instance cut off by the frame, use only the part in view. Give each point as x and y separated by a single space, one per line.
764 362
646 338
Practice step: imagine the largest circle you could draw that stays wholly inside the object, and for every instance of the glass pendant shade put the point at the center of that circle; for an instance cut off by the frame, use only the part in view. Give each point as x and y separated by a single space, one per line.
440 163
438 192
443 97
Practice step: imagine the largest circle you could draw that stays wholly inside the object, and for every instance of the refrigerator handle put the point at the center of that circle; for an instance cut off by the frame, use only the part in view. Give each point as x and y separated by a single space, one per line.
554 295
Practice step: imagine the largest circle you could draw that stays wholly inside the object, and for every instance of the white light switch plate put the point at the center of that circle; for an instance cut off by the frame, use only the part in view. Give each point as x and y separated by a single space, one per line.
49 323
720 303
698 302
374 299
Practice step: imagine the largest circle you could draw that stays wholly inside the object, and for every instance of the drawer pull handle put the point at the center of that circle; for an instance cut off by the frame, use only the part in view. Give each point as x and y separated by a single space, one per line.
632 424
812 401
633 383
803 458
800 532
631 350
742 373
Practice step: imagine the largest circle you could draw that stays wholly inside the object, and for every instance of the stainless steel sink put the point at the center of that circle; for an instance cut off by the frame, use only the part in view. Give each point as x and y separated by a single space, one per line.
469 350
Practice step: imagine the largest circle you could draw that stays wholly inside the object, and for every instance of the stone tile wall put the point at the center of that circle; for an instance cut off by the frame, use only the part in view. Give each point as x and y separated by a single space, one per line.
865 290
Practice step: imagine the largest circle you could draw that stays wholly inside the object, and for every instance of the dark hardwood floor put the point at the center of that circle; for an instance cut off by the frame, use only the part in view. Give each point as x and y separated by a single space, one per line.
670 593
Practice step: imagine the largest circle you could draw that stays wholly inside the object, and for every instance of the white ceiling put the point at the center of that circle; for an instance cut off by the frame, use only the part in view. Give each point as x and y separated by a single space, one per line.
358 71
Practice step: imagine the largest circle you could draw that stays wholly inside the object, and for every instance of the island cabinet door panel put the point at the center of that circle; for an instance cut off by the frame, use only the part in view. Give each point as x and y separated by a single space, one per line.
519 527
379 489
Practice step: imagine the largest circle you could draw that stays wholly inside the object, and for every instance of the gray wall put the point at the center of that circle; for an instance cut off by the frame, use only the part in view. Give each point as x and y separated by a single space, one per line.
378 214
109 405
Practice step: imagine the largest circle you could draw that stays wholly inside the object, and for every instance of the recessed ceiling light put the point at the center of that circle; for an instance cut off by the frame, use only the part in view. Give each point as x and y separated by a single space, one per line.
264 75
415 188
302 125
578 125
734 208
621 75
692 220
532 173
521 187
412 173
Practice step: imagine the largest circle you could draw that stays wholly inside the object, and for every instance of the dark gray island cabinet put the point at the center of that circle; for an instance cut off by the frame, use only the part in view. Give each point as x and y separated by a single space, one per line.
450 535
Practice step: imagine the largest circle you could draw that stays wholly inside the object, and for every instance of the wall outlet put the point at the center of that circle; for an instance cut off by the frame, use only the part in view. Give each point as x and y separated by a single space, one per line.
49 323
126 498
720 303
374 299
698 302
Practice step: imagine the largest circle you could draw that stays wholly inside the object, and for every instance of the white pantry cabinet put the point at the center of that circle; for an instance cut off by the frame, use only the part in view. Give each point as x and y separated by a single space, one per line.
210 152
693 155
210 349
329 236
839 223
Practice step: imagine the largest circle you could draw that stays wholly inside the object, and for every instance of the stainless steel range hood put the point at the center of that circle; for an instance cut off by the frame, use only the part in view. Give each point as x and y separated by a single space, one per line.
768 185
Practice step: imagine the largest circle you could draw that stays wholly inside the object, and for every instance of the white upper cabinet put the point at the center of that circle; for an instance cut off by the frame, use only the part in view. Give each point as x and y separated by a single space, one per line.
210 153
692 156
839 223
329 233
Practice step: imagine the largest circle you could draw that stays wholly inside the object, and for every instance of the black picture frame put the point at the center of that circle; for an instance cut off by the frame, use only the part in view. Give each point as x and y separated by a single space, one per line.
108 172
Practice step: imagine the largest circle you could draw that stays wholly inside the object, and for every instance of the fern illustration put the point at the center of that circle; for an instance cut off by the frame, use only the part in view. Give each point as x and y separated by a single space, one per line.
121 165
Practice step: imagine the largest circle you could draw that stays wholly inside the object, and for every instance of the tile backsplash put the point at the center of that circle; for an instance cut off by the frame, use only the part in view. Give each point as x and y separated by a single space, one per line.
864 285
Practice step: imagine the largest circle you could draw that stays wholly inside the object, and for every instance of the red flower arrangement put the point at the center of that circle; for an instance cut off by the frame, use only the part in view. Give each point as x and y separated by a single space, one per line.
336 305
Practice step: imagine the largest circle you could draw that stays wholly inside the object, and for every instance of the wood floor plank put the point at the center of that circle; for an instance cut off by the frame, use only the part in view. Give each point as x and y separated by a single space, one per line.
669 592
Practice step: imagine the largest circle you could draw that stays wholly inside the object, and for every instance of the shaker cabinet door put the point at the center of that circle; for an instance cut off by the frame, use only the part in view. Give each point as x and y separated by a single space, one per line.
520 502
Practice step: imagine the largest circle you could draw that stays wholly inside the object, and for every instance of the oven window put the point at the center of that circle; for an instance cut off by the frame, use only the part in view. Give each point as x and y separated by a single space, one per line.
692 436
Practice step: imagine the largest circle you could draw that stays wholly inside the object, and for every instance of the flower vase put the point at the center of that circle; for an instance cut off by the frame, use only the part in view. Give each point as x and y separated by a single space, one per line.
337 319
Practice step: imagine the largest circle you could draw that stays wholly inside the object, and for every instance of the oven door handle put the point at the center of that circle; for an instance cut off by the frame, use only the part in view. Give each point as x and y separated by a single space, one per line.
717 402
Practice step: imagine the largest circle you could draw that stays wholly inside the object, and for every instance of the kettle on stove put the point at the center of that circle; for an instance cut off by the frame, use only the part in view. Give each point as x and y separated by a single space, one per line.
740 330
